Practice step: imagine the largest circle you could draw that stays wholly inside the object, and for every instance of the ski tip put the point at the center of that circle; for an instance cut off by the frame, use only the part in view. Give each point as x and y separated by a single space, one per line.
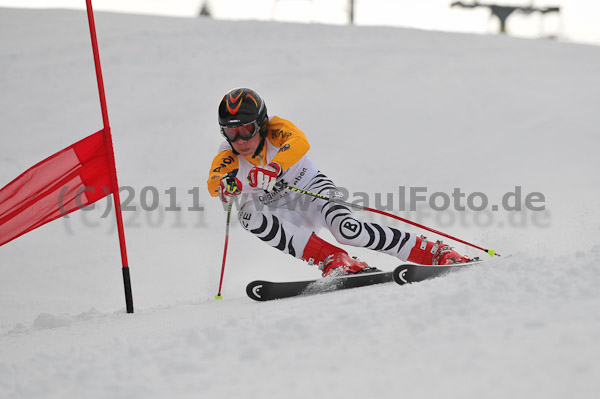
218 296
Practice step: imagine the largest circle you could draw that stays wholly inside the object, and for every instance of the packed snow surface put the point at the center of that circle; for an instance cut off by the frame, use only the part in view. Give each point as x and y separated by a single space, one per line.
386 111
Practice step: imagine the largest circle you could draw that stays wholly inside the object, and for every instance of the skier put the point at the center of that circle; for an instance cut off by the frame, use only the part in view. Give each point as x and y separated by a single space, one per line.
260 157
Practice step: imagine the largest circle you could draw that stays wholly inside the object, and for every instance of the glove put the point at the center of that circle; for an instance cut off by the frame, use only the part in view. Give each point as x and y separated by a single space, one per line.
264 176
229 186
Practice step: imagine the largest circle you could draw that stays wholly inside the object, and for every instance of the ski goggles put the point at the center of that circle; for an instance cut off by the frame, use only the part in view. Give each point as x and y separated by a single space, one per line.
244 132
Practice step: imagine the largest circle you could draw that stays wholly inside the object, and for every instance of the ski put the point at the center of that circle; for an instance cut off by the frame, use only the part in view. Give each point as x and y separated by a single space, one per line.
413 273
261 290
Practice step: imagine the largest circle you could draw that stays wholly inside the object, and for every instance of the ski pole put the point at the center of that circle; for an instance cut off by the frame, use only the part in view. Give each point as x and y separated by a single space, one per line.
491 252
218 296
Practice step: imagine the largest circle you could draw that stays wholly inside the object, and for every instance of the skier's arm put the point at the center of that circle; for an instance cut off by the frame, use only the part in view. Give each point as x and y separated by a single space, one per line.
292 142
225 162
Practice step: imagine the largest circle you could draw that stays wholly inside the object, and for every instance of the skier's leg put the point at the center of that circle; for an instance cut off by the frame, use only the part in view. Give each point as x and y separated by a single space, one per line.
340 221
278 227
289 230
346 229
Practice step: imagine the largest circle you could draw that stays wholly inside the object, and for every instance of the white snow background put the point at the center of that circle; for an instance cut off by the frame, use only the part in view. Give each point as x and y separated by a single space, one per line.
383 108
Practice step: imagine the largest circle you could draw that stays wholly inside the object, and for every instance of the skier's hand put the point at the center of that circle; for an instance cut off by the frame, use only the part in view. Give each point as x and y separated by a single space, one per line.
229 186
264 176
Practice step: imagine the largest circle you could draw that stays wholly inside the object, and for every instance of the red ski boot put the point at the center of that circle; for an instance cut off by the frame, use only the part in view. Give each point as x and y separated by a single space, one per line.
434 253
331 259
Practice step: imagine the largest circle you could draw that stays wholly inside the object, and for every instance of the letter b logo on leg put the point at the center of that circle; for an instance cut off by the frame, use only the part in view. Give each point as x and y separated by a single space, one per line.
350 228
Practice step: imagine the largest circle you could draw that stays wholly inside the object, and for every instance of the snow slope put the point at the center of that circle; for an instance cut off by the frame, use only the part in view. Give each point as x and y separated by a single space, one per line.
383 108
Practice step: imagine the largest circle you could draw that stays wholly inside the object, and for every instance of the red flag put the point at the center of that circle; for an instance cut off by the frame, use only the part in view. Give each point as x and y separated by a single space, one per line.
72 178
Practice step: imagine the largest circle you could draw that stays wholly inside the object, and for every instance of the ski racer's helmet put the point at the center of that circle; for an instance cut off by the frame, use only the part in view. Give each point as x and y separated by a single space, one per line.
242 114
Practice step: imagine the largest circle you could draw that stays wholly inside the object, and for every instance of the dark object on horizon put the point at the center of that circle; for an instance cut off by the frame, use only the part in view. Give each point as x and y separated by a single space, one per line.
503 12
205 10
